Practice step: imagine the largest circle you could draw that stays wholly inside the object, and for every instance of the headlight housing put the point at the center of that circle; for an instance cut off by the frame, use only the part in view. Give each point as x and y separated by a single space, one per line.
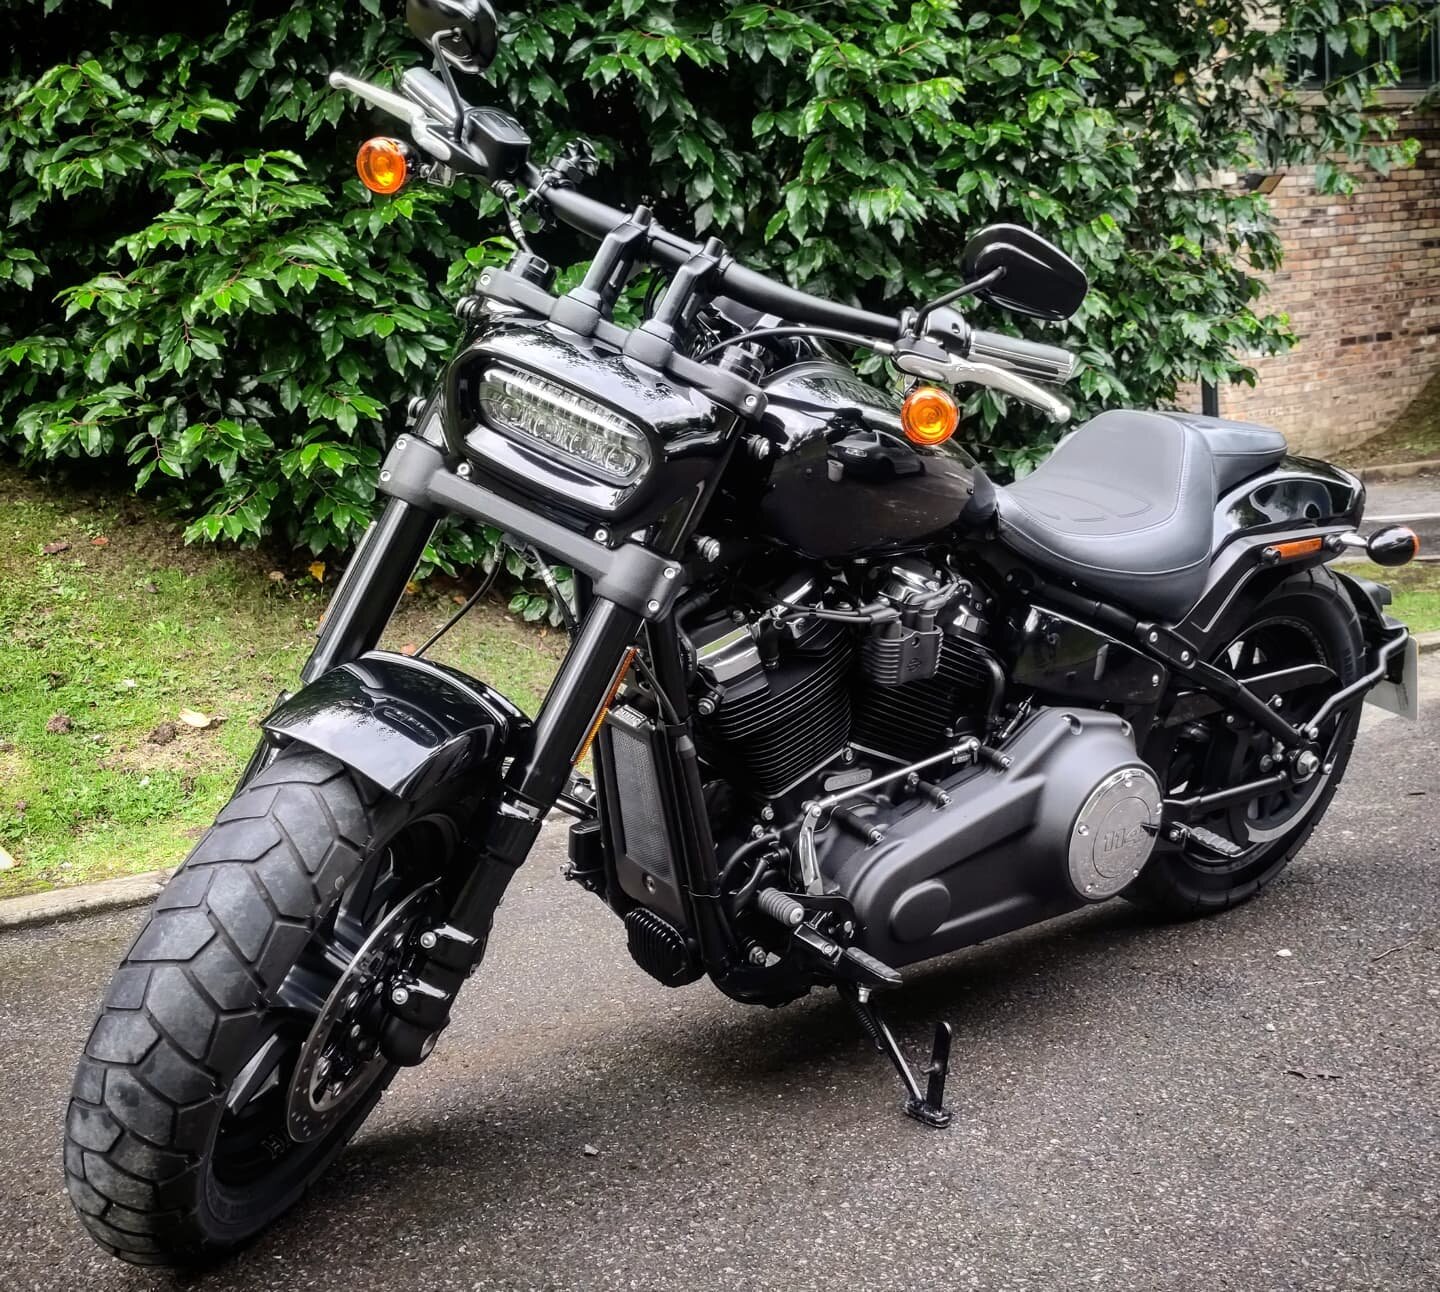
564 423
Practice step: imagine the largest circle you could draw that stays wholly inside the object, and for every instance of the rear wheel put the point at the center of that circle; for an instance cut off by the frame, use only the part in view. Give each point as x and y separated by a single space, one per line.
1308 619
235 1053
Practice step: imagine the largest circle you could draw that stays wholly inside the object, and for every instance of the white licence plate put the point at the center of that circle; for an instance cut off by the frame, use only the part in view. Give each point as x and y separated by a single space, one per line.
1402 697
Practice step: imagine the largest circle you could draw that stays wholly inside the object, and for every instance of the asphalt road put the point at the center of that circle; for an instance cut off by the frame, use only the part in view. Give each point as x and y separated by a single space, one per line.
1251 1102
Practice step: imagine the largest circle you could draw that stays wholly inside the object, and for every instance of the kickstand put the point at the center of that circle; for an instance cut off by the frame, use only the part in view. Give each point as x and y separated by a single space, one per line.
929 1107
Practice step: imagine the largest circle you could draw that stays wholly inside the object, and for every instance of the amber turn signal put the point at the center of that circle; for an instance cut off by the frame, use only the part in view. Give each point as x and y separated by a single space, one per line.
929 415
1393 545
1296 548
383 164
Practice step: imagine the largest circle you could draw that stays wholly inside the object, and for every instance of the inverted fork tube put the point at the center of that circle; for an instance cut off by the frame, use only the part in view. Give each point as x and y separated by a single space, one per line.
538 775
369 592
574 701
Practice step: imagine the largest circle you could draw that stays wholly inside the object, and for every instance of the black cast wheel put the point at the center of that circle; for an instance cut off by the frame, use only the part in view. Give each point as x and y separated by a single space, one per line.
235 1053
1308 619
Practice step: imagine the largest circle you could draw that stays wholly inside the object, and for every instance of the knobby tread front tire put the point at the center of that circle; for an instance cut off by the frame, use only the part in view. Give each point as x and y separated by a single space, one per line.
184 1004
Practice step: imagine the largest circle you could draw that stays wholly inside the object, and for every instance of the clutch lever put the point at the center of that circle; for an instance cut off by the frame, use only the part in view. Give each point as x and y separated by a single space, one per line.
952 370
422 125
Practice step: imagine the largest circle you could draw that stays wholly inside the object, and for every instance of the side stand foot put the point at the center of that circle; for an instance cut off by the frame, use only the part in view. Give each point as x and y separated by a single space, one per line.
927 1107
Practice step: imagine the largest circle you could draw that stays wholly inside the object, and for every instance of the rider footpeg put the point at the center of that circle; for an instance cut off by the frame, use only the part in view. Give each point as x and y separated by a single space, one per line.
1211 842
850 965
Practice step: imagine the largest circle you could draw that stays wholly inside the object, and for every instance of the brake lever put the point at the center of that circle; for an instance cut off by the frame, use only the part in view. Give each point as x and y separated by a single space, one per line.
953 371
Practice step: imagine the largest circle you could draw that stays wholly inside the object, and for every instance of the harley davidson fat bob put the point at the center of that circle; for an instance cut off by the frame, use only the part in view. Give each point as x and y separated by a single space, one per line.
849 705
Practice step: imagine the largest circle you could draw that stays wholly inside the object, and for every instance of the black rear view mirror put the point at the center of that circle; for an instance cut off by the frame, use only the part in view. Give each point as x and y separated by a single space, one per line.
463 32
1038 278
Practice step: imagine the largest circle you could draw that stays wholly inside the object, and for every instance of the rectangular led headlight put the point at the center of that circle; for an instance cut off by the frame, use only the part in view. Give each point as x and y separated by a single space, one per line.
586 434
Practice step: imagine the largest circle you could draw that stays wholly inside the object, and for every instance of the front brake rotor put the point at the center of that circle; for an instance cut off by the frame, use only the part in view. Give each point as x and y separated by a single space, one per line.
341 1058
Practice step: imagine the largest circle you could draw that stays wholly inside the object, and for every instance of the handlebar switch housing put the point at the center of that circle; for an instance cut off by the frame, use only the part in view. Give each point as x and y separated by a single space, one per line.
497 140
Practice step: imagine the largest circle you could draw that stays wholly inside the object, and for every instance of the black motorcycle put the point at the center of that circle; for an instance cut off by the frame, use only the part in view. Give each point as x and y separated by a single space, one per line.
849 705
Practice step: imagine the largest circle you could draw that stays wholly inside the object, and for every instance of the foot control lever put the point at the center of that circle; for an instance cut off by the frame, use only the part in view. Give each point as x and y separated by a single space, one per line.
929 1107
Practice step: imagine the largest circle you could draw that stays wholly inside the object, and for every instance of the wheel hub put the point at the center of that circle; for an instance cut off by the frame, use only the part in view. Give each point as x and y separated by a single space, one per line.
341 1057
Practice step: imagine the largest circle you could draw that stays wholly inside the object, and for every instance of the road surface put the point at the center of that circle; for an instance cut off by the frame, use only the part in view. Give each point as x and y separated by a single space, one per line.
1251 1102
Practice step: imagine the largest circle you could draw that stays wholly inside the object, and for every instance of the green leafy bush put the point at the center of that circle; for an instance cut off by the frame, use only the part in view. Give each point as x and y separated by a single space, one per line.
194 285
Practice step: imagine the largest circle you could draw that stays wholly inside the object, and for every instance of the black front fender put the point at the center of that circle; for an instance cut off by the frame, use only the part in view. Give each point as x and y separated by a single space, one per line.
406 724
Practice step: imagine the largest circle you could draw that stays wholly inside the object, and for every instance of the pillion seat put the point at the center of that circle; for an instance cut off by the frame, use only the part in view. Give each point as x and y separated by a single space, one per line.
1124 505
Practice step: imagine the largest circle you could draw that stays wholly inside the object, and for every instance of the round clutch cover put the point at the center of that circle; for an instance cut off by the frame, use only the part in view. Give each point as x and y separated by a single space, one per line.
1114 833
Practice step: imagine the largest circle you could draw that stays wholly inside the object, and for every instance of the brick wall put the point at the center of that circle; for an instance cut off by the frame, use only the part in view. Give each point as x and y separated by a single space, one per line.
1361 282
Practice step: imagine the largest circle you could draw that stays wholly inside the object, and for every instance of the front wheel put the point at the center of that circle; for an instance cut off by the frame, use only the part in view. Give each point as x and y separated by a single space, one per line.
1307 619
235 1053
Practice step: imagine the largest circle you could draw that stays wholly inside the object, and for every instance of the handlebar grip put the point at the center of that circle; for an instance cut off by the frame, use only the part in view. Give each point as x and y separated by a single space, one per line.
1029 358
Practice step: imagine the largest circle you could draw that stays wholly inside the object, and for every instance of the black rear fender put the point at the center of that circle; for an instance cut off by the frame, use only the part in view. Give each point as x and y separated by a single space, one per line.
1296 500
405 724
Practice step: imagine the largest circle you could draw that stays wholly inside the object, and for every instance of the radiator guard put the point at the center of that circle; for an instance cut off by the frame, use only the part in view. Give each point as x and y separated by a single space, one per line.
640 813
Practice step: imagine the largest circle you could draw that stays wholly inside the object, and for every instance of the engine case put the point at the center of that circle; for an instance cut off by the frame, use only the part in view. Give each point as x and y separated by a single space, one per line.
1072 819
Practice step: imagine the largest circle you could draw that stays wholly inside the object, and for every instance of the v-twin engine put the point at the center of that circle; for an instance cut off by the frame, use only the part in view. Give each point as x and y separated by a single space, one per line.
1067 815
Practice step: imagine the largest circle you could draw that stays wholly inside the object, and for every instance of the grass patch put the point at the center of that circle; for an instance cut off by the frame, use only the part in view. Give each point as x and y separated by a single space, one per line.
1416 587
105 640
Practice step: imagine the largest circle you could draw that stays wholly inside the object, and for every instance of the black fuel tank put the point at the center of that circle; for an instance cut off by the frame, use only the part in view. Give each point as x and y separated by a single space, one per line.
845 481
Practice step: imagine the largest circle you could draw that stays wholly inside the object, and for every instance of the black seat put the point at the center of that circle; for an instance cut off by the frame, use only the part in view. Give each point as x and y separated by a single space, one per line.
1240 449
1124 506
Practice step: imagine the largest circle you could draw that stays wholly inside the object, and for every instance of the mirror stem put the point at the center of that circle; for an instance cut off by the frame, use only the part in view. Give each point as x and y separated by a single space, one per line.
965 289
443 67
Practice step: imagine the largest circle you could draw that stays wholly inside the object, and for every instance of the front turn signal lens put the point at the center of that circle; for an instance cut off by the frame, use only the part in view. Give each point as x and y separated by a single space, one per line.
929 415
383 165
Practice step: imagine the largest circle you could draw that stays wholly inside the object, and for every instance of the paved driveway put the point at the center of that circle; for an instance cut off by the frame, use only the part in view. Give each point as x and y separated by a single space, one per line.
1139 1105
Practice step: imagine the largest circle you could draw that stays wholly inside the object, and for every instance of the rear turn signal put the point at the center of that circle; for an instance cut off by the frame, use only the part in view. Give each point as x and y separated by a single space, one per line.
383 165
929 415
1393 545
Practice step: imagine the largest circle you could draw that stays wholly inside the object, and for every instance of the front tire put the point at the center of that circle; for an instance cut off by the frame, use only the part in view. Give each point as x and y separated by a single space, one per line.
1308 618
165 1162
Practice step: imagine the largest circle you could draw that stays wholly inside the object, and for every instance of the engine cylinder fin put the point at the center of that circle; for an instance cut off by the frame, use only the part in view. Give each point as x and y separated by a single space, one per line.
909 721
773 736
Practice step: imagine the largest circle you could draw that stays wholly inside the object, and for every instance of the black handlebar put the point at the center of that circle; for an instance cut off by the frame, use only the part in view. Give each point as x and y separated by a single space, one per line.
747 286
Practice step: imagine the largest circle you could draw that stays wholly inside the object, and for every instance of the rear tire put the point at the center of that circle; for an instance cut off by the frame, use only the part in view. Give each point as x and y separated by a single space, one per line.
1177 885
148 1164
